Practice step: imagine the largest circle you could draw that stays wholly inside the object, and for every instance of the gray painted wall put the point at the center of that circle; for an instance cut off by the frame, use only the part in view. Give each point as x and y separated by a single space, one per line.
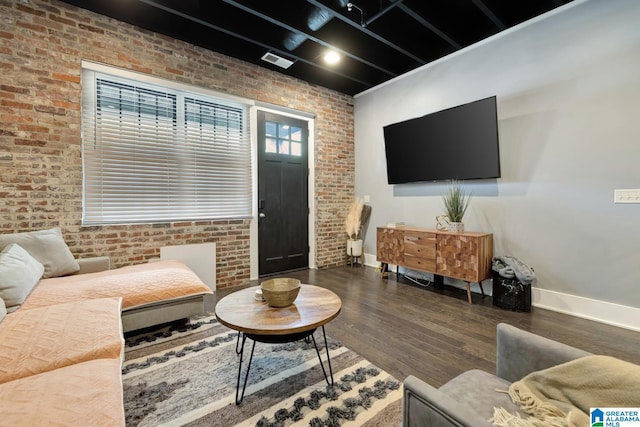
568 90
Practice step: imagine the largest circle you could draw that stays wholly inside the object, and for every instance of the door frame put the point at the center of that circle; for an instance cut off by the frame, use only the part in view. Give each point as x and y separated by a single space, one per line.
253 229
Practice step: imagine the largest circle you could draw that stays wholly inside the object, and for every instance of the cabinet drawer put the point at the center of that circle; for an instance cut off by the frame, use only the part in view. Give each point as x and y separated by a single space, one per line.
422 251
419 263
420 238
420 244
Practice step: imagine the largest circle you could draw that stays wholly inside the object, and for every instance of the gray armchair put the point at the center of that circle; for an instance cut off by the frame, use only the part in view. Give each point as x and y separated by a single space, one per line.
468 399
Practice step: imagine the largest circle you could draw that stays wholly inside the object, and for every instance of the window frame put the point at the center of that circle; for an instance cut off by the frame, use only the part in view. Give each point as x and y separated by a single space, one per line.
213 192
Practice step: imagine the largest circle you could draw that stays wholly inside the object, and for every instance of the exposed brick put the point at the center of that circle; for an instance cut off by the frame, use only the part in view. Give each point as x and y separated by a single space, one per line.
67 105
14 89
29 142
41 183
62 20
32 27
138 68
91 28
15 104
66 77
49 109
33 128
174 71
25 9
126 58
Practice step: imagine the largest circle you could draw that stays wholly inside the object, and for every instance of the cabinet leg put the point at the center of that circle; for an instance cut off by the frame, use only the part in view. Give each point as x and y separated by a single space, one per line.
481 288
384 270
438 281
469 292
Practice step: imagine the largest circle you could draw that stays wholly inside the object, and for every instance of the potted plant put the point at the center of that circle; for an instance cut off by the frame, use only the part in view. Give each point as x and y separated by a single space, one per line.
456 201
357 217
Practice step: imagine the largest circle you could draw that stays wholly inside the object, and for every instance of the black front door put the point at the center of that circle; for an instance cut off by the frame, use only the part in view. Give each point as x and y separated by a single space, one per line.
283 209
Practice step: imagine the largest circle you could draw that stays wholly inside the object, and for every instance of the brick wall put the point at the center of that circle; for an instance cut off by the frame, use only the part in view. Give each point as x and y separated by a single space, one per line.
42 44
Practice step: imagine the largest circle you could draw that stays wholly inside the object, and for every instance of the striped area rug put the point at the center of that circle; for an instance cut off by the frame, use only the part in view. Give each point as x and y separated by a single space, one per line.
187 376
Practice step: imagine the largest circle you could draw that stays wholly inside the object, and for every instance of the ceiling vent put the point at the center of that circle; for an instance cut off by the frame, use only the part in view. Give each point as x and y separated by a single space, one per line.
277 60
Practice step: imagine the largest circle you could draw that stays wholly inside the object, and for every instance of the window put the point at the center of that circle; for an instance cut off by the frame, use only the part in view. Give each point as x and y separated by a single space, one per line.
154 154
283 139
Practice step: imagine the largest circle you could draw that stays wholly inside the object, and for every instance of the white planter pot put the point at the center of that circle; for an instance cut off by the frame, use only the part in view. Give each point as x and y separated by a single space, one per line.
456 227
354 247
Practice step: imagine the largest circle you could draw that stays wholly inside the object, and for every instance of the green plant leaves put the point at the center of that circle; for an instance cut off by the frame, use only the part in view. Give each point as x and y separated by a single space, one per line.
456 201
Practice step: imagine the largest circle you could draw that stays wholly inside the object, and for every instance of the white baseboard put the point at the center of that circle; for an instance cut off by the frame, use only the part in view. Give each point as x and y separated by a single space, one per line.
599 311
371 260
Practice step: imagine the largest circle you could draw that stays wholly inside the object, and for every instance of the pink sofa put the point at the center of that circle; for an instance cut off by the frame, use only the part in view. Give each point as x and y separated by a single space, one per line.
62 322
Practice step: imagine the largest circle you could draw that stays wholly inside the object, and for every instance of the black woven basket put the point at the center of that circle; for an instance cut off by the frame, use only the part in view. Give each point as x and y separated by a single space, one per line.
511 294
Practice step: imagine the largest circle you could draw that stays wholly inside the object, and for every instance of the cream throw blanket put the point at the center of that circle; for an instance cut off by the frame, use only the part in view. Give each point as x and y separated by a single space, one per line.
562 395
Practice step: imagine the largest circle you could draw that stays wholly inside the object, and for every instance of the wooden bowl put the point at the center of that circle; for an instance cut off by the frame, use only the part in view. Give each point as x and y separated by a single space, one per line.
281 291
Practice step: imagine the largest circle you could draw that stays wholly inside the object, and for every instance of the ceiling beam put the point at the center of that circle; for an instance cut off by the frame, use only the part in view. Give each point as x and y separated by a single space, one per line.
250 40
383 11
368 32
308 36
489 13
430 26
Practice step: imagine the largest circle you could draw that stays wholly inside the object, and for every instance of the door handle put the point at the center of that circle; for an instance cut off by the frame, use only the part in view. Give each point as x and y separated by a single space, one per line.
261 215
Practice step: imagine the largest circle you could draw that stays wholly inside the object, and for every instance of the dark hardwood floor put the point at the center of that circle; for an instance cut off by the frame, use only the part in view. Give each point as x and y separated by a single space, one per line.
435 334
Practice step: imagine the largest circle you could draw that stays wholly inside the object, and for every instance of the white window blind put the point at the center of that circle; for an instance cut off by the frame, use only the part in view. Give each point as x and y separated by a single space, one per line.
153 154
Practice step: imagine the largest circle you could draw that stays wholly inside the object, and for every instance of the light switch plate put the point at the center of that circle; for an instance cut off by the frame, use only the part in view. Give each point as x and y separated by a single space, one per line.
626 196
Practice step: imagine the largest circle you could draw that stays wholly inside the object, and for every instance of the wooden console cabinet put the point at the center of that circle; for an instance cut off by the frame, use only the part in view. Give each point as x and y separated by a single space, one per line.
465 256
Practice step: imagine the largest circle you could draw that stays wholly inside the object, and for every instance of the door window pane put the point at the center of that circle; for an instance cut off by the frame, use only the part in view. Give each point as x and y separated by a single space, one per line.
283 131
271 146
270 129
296 149
283 147
296 134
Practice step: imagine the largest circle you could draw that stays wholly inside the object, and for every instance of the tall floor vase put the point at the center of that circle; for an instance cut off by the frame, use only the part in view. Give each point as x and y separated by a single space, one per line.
354 250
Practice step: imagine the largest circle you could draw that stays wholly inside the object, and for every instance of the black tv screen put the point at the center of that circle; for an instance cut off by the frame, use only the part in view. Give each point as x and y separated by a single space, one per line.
456 143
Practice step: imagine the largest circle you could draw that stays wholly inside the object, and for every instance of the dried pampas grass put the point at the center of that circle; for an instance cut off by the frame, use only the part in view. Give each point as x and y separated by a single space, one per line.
357 217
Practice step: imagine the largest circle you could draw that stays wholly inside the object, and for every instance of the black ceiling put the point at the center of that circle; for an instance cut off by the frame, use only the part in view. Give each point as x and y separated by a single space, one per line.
378 39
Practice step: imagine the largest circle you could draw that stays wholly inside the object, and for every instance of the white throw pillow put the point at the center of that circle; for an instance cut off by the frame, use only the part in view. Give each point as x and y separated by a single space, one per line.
3 310
19 274
48 247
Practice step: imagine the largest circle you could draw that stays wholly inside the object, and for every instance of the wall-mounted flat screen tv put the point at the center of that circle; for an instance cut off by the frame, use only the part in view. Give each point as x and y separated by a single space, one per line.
457 143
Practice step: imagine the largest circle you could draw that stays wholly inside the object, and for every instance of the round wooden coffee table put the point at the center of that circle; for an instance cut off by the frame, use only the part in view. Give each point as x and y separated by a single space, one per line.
313 308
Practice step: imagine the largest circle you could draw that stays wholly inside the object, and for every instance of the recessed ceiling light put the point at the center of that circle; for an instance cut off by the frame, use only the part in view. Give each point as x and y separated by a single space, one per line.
331 57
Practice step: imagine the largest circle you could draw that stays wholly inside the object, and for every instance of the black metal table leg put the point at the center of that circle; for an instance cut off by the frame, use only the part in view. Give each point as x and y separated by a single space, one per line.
246 376
277 339
238 342
326 346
